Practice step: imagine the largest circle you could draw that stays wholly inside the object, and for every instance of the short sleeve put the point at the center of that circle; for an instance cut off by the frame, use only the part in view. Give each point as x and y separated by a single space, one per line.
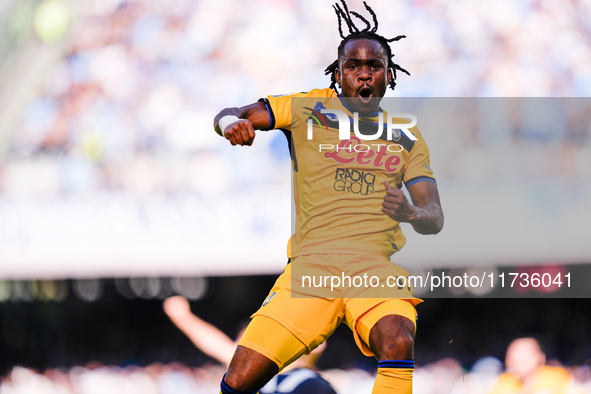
279 106
418 167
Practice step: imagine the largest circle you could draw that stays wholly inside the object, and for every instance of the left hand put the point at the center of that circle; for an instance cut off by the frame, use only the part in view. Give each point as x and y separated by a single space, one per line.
397 206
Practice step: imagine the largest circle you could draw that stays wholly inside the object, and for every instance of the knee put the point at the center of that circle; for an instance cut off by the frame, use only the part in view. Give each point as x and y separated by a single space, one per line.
392 338
246 380
236 380
399 347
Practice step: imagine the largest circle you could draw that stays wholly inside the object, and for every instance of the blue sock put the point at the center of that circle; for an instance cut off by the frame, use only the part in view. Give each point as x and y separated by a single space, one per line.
396 364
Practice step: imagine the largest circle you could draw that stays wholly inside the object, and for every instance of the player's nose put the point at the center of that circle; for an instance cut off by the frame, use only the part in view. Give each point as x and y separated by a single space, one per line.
364 74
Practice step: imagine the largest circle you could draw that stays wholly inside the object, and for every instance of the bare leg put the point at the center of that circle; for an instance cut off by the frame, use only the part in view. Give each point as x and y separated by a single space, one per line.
249 370
392 341
392 338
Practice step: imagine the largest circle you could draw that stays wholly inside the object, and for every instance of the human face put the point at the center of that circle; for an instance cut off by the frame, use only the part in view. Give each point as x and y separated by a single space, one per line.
363 74
524 357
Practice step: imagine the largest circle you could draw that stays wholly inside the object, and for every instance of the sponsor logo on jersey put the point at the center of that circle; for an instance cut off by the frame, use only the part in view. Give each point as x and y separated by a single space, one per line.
354 181
364 154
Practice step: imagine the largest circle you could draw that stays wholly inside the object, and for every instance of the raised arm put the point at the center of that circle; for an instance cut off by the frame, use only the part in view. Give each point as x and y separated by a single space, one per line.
425 216
206 337
240 123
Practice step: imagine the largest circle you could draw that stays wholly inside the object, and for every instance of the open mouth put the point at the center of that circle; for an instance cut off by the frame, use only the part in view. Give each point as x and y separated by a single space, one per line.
365 94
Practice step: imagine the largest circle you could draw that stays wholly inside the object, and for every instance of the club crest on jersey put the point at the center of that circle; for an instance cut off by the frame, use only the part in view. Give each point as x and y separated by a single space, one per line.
269 298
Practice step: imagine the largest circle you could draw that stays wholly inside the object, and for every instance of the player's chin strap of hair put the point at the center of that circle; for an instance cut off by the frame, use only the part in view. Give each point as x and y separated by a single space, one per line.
226 121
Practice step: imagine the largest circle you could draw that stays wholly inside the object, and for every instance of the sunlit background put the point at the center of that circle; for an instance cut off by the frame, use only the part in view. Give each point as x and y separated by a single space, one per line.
115 192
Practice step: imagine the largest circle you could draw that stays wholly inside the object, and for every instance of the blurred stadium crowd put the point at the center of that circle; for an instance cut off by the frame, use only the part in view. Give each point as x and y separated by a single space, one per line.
129 105
443 377
120 339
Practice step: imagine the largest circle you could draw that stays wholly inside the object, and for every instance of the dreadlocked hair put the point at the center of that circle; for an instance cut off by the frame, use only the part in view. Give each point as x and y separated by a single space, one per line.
369 32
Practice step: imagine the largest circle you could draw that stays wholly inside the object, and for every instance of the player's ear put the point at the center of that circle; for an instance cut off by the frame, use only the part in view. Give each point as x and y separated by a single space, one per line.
337 75
390 75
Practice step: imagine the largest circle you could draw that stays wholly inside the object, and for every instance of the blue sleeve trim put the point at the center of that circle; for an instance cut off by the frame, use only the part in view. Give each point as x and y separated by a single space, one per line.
419 179
402 364
271 115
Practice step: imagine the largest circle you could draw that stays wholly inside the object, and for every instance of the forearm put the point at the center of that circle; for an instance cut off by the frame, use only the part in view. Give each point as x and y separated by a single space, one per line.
256 113
206 337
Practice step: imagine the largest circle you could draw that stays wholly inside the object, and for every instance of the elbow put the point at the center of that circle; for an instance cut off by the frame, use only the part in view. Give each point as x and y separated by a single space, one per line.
434 228
430 231
438 225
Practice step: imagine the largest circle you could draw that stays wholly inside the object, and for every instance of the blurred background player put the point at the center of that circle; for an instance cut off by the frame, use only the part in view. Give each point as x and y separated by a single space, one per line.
527 372
299 378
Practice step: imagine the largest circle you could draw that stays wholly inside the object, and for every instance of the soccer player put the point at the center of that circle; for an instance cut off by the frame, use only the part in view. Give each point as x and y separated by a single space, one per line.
299 379
348 209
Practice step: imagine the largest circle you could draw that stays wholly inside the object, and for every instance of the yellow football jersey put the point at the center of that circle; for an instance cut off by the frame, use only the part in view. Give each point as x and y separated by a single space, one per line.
338 184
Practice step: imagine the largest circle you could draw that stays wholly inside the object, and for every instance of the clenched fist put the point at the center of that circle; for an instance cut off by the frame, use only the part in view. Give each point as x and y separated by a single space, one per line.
240 132
397 206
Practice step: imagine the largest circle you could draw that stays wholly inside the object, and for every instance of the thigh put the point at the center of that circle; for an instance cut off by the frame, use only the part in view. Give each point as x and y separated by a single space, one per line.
270 339
309 319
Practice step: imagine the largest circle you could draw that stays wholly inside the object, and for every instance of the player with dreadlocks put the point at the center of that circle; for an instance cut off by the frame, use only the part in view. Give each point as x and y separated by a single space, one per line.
369 33
338 194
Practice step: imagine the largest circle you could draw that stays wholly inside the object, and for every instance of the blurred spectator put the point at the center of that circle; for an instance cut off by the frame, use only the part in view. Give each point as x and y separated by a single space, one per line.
527 372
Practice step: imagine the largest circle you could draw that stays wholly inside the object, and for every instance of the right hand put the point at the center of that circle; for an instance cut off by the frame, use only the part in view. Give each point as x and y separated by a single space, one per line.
240 133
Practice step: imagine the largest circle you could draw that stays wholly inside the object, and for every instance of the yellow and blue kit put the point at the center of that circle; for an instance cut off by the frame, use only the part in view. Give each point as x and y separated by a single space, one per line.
338 188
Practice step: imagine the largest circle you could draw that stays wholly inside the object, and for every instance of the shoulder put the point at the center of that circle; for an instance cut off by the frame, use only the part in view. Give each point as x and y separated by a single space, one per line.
327 92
